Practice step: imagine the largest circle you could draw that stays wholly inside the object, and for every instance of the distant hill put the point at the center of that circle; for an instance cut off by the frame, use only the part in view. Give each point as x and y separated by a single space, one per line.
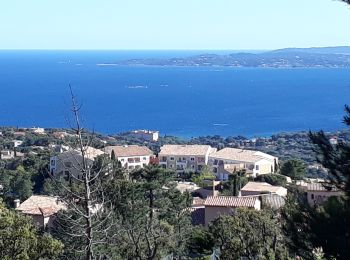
333 57
321 50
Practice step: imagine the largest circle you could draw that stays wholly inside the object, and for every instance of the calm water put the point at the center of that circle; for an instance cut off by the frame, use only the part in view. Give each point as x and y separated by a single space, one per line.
184 101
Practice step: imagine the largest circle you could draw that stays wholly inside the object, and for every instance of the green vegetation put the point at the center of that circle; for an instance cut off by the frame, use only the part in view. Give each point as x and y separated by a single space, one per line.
236 181
201 178
251 234
294 169
19 239
273 179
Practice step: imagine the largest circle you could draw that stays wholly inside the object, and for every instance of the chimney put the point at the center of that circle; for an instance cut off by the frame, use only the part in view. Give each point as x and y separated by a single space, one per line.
17 202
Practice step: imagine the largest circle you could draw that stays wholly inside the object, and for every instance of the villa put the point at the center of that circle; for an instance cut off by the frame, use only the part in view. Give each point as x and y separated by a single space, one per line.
131 156
229 160
69 164
185 157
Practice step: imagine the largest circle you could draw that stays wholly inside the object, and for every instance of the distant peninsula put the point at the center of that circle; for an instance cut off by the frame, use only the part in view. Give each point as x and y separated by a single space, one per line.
323 57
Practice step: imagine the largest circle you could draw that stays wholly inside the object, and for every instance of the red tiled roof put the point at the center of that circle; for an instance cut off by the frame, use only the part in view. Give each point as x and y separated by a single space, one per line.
321 187
230 201
129 150
41 205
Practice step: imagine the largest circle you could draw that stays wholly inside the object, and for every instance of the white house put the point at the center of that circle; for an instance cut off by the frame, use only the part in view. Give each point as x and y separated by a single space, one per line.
145 135
184 157
38 130
17 143
131 156
254 162
7 155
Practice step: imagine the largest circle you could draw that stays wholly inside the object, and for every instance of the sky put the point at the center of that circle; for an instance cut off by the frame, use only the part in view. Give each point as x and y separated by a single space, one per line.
172 24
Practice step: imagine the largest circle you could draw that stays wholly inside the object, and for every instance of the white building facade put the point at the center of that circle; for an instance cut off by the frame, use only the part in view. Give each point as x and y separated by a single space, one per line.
146 135
131 157
254 162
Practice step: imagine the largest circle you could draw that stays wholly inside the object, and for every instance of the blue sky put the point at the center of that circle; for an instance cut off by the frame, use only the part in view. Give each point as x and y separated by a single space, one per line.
172 24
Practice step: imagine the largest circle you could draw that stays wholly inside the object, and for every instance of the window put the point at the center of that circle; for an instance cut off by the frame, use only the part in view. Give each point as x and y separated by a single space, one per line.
184 158
163 158
192 166
257 167
312 196
171 166
215 170
201 159
66 177
144 158
192 158
68 164
122 160
172 158
53 162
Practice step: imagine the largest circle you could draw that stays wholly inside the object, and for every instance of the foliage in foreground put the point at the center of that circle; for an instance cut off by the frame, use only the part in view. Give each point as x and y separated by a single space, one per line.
249 233
20 239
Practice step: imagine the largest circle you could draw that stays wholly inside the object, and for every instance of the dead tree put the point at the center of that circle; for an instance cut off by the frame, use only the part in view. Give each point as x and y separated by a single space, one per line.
88 222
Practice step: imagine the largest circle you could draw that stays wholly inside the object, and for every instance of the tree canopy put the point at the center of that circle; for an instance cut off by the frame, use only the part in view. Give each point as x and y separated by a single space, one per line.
294 169
249 233
20 239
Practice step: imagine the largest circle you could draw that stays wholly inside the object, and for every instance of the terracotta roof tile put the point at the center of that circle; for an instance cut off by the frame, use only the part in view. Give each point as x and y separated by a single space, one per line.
41 205
321 187
241 155
230 201
128 150
186 150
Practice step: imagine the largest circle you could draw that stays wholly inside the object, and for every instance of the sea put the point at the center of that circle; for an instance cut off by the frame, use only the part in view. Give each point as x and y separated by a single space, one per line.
181 101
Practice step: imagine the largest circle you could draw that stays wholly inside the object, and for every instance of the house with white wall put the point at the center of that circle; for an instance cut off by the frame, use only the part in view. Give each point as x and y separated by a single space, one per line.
146 135
229 160
184 157
131 156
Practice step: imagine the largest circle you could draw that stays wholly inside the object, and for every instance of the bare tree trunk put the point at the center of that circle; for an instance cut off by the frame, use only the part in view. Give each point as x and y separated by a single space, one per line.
87 177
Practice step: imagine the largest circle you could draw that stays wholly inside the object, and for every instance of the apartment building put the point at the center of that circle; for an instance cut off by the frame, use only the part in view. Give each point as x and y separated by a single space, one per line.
146 135
185 157
131 156
229 160
69 163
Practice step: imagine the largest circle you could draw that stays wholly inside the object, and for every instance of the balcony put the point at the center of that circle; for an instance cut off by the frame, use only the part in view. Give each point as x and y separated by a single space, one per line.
181 163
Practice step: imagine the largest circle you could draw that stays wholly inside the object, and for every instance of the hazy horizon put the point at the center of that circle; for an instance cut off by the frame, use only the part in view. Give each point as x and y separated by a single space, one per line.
168 25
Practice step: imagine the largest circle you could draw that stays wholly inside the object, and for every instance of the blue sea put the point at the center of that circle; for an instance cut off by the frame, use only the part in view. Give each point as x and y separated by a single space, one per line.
181 101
